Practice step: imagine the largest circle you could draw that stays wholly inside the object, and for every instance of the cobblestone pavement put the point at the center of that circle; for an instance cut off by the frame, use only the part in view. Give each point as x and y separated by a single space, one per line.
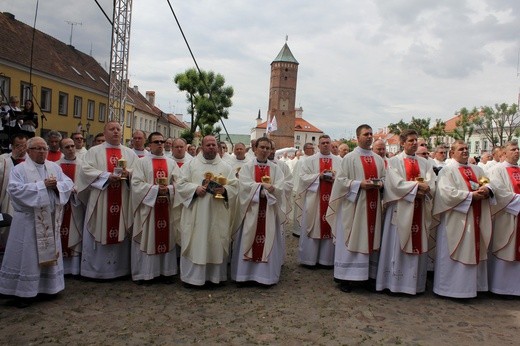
306 307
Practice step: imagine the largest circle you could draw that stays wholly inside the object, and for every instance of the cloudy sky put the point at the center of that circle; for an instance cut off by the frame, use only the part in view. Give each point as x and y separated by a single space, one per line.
373 61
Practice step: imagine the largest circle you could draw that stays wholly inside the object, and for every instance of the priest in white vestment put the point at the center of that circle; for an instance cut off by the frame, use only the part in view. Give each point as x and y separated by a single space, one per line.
180 156
259 248
73 212
239 158
237 161
108 217
138 142
316 176
504 257
308 150
408 201
154 236
287 184
33 261
7 163
355 212
206 220
462 204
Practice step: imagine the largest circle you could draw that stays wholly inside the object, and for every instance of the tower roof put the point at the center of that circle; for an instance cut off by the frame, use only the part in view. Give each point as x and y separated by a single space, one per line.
285 55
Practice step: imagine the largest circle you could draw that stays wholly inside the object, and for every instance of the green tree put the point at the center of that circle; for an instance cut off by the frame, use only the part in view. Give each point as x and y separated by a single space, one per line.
465 126
399 127
439 131
208 99
421 125
499 123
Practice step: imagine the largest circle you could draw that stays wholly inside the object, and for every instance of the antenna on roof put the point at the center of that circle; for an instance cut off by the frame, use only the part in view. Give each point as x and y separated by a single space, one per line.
286 38
71 29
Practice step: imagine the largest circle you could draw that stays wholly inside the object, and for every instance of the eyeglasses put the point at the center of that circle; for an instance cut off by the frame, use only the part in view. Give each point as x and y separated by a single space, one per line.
39 149
69 146
158 142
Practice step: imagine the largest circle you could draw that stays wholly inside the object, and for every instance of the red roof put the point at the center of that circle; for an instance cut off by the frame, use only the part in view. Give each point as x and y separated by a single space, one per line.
451 124
51 56
173 120
300 125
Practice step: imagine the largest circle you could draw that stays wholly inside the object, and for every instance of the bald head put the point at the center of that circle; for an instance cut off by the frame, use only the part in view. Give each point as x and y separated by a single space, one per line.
379 147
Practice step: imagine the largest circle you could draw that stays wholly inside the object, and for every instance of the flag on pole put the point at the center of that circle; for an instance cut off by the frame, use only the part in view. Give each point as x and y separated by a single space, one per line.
272 125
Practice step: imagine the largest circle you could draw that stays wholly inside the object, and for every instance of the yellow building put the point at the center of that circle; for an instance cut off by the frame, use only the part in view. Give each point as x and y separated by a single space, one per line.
69 88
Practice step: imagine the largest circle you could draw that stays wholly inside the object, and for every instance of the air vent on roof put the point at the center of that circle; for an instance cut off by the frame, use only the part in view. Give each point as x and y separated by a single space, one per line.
90 76
76 70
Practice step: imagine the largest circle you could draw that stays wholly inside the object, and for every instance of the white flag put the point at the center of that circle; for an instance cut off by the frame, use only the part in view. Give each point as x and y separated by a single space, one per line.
272 126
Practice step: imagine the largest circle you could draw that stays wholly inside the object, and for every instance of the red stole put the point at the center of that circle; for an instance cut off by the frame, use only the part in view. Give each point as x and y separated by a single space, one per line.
69 169
372 196
325 189
54 155
161 210
514 176
114 198
413 171
179 164
469 176
17 161
259 242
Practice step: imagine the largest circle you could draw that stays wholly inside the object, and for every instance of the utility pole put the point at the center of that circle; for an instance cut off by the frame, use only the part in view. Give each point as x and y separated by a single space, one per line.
72 28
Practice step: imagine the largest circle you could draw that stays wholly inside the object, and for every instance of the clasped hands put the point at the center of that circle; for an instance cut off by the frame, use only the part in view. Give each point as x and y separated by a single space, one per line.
483 192
369 184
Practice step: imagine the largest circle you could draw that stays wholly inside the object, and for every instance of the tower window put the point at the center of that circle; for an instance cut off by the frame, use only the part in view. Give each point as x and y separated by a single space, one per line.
285 77
286 69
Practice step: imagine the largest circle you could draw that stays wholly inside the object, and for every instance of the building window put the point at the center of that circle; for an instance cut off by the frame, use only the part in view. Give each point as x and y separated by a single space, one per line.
140 123
145 124
102 112
45 99
63 103
90 109
78 102
25 92
128 119
297 137
485 144
5 85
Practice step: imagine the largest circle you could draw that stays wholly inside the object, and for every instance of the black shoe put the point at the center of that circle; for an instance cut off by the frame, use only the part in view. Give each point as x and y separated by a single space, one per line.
22 303
168 280
370 285
296 235
345 287
142 282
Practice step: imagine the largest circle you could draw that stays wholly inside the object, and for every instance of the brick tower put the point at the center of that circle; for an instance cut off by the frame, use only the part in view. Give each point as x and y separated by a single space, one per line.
282 97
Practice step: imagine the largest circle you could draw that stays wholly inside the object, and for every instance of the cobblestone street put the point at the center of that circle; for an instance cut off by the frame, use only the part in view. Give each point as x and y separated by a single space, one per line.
306 307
